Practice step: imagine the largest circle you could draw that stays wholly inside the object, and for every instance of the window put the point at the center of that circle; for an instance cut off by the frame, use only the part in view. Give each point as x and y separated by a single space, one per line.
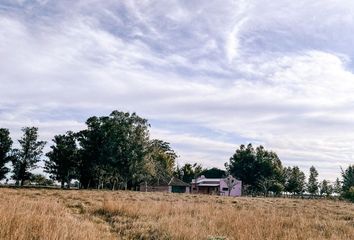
225 189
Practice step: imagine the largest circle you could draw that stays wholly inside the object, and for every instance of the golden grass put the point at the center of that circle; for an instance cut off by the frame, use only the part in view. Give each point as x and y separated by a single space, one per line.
54 214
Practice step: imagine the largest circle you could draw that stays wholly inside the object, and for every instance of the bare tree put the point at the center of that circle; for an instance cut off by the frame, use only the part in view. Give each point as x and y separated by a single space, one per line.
230 182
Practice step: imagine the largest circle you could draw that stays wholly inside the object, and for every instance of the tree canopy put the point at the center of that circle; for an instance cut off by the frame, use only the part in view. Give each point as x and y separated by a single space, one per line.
255 167
5 149
116 151
348 183
62 159
113 146
188 172
312 185
26 158
294 180
213 173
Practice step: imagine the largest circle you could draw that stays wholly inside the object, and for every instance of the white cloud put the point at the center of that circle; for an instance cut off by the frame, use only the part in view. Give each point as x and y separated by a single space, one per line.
271 73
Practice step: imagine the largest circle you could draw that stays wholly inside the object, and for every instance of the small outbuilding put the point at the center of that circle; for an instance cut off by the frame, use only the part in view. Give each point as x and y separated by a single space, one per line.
173 185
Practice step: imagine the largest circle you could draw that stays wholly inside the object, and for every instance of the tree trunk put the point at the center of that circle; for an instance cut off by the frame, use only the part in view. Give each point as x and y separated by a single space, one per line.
62 183
114 184
22 181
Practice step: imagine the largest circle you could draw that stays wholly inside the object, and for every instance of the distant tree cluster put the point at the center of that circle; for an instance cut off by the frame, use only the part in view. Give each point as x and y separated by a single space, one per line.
261 172
116 152
23 159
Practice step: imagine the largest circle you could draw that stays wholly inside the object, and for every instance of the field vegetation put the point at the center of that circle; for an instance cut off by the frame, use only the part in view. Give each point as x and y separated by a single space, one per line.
84 214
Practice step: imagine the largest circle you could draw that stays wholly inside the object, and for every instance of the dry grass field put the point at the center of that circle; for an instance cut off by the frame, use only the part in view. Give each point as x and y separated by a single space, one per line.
85 215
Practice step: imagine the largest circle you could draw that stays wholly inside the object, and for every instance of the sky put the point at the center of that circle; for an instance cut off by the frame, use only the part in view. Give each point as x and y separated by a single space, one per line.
209 75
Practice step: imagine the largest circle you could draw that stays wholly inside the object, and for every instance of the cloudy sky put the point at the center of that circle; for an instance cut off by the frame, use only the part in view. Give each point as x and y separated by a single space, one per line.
209 75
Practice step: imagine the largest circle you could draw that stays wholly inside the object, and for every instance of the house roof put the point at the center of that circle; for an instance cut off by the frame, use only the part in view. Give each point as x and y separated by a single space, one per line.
205 180
177 182
164 182
209 184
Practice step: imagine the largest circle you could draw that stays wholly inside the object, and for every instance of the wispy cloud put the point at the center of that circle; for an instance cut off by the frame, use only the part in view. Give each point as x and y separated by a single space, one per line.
209 76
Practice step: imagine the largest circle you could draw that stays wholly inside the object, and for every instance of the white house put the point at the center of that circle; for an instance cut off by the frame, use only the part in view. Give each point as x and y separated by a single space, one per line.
228 186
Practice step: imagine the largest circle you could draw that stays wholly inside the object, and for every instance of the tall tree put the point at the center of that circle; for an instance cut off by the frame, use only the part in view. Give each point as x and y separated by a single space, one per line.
128 139
5 148
159 162
91 160
295 180
116 144
255 167
188 172
62 159
348 178
243 165
325 188
312 185
163 156
28 155
337 186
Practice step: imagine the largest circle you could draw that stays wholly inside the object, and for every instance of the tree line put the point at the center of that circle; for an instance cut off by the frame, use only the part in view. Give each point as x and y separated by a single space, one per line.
116 152
262 172
113 151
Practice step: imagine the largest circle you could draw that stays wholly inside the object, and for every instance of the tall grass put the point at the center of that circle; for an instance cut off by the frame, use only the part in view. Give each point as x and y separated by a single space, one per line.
55 214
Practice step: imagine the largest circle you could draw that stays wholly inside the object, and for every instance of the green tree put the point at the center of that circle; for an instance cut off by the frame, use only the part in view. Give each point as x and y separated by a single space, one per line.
337 186
213 173
39 179
188 172
127 146
115 145
256 167
348 183
243 165
91 164
348 178
163 156
159 163
26 158
325 188
349 194
312 185
62 159
277 188
294 180
5 149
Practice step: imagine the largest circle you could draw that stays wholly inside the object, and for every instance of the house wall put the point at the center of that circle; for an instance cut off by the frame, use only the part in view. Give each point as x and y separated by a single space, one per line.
179 189
235 191
206 190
